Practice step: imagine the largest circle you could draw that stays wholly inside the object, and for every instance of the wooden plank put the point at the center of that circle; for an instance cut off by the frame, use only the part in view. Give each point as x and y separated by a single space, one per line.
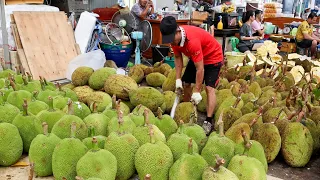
48 42
16 36
23 60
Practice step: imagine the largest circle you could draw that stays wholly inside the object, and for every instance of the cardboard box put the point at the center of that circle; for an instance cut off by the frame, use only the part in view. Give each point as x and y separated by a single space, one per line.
14 58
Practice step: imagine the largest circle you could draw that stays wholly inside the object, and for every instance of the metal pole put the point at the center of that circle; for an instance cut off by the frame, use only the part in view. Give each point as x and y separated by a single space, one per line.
4 36
190 8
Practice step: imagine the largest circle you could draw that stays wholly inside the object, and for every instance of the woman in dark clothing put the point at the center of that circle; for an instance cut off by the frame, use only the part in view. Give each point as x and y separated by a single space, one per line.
246 39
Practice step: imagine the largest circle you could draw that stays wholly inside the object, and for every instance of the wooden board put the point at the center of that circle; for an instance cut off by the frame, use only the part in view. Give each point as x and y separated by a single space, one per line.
10 2
23 60
47 41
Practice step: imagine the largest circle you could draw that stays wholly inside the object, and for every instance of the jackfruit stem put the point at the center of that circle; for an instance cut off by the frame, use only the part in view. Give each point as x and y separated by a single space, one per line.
45 81
13 85
219 162
194 115
50 103
25 107
236 103
59 86
118 105
247 143
18 70
79 178
300 116
31 172
181 131
147 177
24 78
278 116
114 101
45 128
94 107
220 124
190 146
95 144
30 78
151 133
146 117
253 122
70 107
120 120
43 87
159 112
73 129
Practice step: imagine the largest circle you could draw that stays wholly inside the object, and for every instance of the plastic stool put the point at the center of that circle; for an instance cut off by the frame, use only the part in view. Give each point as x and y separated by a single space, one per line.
234 42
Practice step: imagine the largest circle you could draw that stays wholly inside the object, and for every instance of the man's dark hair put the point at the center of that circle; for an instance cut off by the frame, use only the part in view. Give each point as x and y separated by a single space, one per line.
312 15
257 12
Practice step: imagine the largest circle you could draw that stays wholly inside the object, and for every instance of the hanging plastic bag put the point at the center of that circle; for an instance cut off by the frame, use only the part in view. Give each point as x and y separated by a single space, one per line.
94 59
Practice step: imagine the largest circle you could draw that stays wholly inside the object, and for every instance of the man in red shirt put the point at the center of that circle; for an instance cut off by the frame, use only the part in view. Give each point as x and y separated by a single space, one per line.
206 59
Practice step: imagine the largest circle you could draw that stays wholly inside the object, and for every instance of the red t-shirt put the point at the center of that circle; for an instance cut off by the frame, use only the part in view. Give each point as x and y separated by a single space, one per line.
200 45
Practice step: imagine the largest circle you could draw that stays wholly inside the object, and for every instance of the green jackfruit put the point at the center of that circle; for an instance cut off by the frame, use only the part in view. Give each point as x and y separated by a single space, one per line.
62 127
44 95
183 112
81 75
29 126
170 83
93 164
136 73
5 73
148 97
222 95
60 102
297 144
155 79
165 68
127 125
124 148
218 172
11 144
78 109
88 141
68 93
166 124
36 106
255 89
140 109
83 93
154 158
30 86
120 85
66 154
315 133
8 112
68 86
218 145
202 106
98 78
16 98
234 133
98 121
228 102
169 98
50 116
247 108
245 168
41 150
111 109
247 118
314 114
190 160
248 97
271 114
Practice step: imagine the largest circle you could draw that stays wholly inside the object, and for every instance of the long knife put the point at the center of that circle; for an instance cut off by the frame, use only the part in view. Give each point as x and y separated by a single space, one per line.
176 102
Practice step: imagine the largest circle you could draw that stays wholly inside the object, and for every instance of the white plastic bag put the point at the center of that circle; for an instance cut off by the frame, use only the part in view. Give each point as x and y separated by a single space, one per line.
94 59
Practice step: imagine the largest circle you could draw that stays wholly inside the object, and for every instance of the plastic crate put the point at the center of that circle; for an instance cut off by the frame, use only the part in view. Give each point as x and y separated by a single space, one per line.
120 54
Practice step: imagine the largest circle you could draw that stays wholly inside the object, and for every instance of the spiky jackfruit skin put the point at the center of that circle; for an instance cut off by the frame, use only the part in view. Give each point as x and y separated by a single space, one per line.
34 107
202 106
220 145
142 134
139 110
101 99
247 108
197 133
269 137
255 89
65 156
314 114
8 113
272 113
83 92
29 127
170 83
234 87
297 145
68 93
261 81
11 144
154 159
315 133
101 140
127 125
44 95
222 174
148 97
93 164
124 148
40 153
228 102
97 79
257 151
136 73
247 97
181 168
62 127
155 79
79 109
120 85
234 133
138 120
16 98
245 168
111 113
248 118
81 75
165 68
5 73
183 112
169 98
223 83
230 115
6 92
99 122
167 125
178 143
31 87
51 117
60 102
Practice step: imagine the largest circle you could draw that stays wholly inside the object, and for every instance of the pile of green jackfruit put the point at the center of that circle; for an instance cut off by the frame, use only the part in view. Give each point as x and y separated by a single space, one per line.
107 126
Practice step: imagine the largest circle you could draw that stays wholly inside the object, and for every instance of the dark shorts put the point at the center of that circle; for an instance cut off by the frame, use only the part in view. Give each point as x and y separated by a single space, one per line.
306 43
211 74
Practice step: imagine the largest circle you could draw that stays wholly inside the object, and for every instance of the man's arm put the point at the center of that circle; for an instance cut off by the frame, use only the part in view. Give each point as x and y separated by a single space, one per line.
315 37
312 37
146 12
178 62
199 76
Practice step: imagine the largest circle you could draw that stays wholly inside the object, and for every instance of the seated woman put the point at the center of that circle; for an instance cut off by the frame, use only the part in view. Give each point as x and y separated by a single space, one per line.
247 40
257 28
